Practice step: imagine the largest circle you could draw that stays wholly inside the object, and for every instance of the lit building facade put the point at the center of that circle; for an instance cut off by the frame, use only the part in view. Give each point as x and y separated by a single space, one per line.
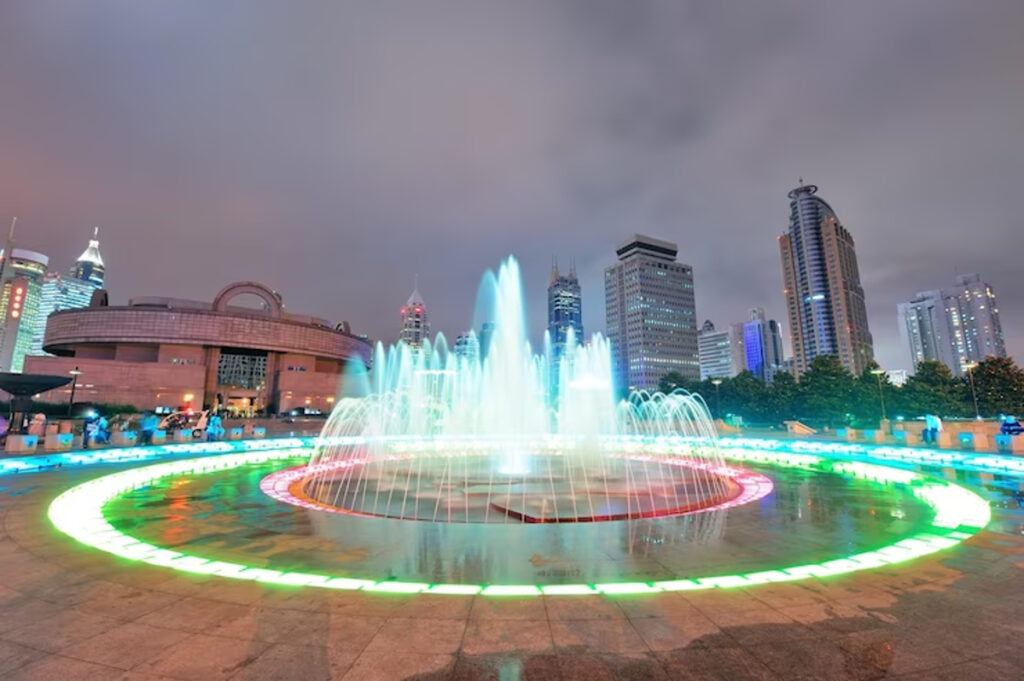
165 352
565 310
824 297
956 325
714 350
762 345
415 326
650 314
60 292
467 348
21 290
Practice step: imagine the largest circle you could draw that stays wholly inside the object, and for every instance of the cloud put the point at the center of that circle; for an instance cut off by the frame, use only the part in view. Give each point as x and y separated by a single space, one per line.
334 150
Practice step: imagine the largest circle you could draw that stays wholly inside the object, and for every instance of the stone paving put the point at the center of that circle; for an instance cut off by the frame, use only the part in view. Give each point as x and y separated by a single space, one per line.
68 612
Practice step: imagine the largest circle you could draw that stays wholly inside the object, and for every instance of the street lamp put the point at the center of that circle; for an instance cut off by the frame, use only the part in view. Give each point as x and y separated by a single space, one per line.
881 398
75 373
718 400
970 367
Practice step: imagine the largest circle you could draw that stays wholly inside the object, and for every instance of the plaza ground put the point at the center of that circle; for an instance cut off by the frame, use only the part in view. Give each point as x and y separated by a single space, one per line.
69 612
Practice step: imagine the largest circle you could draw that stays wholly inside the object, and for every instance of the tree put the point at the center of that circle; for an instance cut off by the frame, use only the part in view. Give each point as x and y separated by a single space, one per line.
931 390
827 389
671 381
783 398
866 405
999 384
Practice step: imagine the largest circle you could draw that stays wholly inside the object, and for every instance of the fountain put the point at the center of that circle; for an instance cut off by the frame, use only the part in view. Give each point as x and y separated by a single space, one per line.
513 436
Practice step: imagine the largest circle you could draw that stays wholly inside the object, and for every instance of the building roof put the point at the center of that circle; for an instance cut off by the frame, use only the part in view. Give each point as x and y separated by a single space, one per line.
92 252
415 298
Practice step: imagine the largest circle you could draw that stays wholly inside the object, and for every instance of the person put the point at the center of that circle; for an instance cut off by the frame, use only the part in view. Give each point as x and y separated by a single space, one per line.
88 430
147 427
38 425
102 430
1010 426
214 429
4 427
932 426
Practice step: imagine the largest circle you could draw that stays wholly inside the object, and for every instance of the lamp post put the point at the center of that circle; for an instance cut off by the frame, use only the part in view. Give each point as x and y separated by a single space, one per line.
971 366
75 373
881 397
718 400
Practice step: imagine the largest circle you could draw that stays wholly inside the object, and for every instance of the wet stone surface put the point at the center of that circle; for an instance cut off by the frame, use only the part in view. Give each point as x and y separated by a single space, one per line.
68 612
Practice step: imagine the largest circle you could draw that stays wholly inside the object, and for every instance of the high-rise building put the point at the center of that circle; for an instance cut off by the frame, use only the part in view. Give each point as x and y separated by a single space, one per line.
21 284
762 345
467 348
824 297
565 310
69 292
715 352
484 339
956 325
89 266
415 322
650 315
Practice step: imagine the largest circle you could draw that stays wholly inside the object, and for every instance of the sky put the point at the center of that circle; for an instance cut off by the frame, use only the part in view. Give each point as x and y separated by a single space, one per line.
335 150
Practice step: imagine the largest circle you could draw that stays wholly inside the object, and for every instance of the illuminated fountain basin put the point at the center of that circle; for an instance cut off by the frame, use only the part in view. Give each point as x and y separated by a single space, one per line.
826 517
453 480
503 434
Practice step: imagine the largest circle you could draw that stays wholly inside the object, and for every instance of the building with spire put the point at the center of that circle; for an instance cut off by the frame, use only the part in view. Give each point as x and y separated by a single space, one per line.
565 310
824 297
69 291
415 322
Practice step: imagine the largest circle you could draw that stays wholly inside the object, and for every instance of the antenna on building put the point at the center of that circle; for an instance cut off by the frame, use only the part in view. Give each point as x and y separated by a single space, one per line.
8 248
96 233
554 268
572 268
801 181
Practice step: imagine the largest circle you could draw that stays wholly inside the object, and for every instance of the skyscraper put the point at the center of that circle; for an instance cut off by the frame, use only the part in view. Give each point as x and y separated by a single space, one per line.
467 348
714 349
762 345
565 310
415 322
21 284
69 292
650 316
956 325
824 298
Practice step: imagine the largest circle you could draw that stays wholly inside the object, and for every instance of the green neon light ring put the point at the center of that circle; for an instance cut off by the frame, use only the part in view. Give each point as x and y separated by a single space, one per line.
78 512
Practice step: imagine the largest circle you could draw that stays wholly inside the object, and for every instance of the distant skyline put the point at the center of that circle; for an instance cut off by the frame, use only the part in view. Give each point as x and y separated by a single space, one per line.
333 151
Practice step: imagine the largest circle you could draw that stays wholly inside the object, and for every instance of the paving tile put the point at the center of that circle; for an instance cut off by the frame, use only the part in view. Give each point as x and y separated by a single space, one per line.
637 667
716 664
488 637
203 657
125 646
57 668
66 628
394 666
582 608
764 625
597 636
282 662
508 608
670 633
14 655
196 615
517 667
421 636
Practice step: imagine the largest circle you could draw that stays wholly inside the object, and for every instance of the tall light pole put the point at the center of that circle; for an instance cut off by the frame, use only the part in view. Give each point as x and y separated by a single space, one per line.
718 400
881 397
971 366
75 373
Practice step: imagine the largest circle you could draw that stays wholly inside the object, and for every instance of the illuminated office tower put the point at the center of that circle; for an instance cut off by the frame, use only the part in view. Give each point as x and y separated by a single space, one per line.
467 348
650 317
565 314
956 325
71 291
21 284
824 297
415 322
762 345
715 350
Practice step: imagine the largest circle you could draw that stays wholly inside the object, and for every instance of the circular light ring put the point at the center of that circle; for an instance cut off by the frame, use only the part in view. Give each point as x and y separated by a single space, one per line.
286 486
78 512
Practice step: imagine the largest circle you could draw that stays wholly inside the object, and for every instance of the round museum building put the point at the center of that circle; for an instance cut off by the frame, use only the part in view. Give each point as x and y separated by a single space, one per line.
228 354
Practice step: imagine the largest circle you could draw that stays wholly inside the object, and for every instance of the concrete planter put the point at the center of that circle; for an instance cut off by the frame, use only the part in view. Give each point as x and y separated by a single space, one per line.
1010 444
58 442
182 436
159 437
22 444
259 432
124 438
236 434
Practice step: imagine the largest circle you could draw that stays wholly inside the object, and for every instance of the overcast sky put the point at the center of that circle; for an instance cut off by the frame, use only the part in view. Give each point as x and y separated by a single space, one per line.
332 150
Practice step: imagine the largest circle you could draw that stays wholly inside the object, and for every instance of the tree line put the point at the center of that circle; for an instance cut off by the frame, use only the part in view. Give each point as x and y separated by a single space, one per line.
827 394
